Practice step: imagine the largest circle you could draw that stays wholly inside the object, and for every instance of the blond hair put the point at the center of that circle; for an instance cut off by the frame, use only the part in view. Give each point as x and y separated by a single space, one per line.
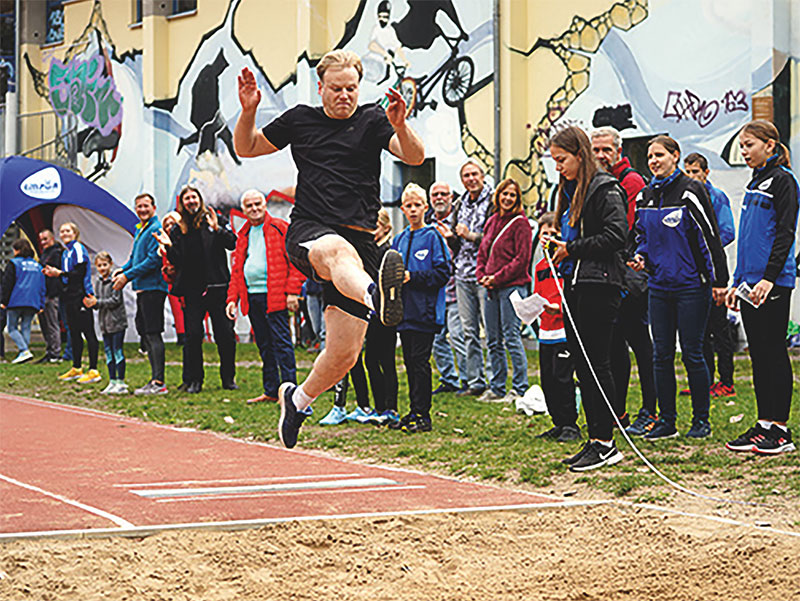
73 227
413 189
339 59
384 220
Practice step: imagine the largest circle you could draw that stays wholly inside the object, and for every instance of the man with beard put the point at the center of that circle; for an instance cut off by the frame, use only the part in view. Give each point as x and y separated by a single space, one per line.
197 251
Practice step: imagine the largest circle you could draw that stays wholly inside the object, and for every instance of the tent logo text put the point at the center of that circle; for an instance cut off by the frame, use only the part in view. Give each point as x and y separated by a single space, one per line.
44 184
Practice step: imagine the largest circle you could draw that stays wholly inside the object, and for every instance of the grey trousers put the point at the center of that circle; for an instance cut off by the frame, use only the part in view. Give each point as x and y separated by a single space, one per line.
51 328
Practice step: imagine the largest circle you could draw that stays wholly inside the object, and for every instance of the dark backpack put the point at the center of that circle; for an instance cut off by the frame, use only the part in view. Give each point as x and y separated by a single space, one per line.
628 170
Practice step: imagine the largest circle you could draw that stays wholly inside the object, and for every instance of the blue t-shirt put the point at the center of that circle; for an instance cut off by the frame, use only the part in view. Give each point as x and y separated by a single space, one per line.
255 265
568 232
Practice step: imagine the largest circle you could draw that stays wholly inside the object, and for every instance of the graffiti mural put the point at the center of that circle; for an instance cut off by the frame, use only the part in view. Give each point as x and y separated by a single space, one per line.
688 105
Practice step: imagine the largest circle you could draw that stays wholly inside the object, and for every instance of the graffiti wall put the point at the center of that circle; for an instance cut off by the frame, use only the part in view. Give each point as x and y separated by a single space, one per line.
690 68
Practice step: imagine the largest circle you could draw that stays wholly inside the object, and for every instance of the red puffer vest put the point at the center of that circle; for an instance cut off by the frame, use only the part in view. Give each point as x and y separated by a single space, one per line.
282 277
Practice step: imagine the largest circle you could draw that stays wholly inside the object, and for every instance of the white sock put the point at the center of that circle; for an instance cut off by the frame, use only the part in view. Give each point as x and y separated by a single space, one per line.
766 424
606 443
300 399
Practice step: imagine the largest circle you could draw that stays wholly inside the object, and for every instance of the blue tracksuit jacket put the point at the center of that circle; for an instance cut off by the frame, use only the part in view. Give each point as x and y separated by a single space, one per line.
427 259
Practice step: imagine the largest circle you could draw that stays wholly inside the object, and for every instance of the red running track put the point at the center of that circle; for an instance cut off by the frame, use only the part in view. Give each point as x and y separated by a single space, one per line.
67 469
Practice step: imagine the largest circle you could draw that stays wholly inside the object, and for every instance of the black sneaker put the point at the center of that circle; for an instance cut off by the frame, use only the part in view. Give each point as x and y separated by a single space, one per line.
643 424
471 392
444 388
291 419
576 457
624 419
386 297
747 441
401 423
568 434
597 455
776 441
662 430
418 423
553 432
700 429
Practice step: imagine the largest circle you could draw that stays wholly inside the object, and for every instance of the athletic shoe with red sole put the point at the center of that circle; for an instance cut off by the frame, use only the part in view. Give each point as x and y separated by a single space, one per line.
776 442
721 390
747 442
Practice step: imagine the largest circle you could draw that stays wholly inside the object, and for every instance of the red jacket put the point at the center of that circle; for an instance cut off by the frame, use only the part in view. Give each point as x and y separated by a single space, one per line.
282 277
551 327
632 182
510 259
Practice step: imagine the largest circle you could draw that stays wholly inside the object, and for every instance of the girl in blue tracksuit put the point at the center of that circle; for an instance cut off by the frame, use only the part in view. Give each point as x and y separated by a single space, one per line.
23 296
428 267
678 243
76 277
766 263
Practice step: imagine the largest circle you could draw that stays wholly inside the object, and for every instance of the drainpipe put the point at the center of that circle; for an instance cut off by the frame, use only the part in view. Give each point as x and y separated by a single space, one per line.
496 81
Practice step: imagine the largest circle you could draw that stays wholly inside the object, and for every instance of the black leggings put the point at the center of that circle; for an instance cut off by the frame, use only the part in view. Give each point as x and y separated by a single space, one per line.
381 365
594 308
81 325
359 378
766 338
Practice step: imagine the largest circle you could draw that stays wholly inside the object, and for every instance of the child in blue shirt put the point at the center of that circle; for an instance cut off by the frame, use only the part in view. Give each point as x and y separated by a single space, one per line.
428 267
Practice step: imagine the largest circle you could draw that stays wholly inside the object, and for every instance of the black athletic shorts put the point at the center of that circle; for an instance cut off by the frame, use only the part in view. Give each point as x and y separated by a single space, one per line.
303 233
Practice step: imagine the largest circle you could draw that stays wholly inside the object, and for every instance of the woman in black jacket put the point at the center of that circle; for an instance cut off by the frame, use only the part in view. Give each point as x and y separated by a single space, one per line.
197 251
591 210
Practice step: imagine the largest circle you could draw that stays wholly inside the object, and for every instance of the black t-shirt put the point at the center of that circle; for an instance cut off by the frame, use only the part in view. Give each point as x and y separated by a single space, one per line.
338 162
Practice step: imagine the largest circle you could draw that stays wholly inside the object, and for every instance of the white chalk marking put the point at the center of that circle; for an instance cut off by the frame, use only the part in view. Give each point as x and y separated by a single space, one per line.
235 480
287 494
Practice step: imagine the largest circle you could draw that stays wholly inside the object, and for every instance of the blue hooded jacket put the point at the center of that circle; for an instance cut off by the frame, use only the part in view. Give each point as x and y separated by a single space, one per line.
143 269
29 287
722 209
427 259
767 227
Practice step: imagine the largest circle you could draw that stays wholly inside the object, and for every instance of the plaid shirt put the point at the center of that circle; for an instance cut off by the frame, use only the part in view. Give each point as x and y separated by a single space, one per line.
473 214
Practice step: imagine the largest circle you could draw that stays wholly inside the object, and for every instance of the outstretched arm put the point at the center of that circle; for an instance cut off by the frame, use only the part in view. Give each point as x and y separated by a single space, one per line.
247 140
405 144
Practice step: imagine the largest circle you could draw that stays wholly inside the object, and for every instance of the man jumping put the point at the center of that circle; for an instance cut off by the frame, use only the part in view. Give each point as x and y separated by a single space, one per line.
336 148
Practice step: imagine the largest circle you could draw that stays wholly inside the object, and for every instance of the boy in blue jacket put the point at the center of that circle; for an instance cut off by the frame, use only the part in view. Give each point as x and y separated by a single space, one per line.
428 267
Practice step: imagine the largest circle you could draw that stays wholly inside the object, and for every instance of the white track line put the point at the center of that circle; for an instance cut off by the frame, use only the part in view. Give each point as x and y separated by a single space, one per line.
309 477
214 490
288 494
138 531
98 512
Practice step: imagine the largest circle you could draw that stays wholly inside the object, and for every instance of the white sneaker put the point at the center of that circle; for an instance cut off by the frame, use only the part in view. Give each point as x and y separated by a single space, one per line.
23 356
511 396
122 388
490 397
111 388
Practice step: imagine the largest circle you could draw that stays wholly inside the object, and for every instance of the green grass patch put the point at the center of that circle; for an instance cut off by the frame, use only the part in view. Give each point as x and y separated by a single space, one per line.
469 440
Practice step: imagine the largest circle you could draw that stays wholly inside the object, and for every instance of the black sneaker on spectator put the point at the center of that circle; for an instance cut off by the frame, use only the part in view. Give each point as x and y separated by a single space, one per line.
597 455
578 455
661 430
418 423
776 441
443 388
700 429
401 423
291 419
568 434
747 441
553 432
624 419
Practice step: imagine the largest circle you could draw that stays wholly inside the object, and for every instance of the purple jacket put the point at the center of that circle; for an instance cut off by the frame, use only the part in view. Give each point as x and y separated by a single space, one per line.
510 258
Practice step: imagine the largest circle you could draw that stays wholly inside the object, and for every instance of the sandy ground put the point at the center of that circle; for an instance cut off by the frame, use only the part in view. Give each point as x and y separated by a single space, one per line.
606 552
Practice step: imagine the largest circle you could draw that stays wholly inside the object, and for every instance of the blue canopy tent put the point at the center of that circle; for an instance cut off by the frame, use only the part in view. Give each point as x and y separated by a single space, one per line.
33 189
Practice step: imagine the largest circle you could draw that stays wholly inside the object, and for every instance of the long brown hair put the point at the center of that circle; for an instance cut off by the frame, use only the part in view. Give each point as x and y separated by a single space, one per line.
517 208
575 141
188 218
765 131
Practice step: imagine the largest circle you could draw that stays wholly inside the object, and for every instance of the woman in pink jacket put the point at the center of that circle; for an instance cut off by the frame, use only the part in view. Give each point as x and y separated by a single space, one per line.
504 258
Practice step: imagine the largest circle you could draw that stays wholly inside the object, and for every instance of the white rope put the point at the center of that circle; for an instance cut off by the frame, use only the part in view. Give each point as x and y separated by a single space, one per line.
647 462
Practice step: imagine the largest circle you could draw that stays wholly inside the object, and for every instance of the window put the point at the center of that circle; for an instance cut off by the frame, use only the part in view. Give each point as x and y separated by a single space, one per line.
55 22
424 175
183 6
137 11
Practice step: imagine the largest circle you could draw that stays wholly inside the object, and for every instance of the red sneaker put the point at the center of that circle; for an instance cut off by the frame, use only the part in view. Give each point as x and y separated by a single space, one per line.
721 390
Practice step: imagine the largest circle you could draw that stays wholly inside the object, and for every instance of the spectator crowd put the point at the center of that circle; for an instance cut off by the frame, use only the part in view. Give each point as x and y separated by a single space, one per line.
628 263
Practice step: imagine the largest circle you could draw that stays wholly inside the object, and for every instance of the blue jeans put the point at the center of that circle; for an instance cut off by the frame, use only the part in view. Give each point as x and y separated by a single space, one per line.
684 312
443 349
274 341
19 326
503 334
317 316
471 298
